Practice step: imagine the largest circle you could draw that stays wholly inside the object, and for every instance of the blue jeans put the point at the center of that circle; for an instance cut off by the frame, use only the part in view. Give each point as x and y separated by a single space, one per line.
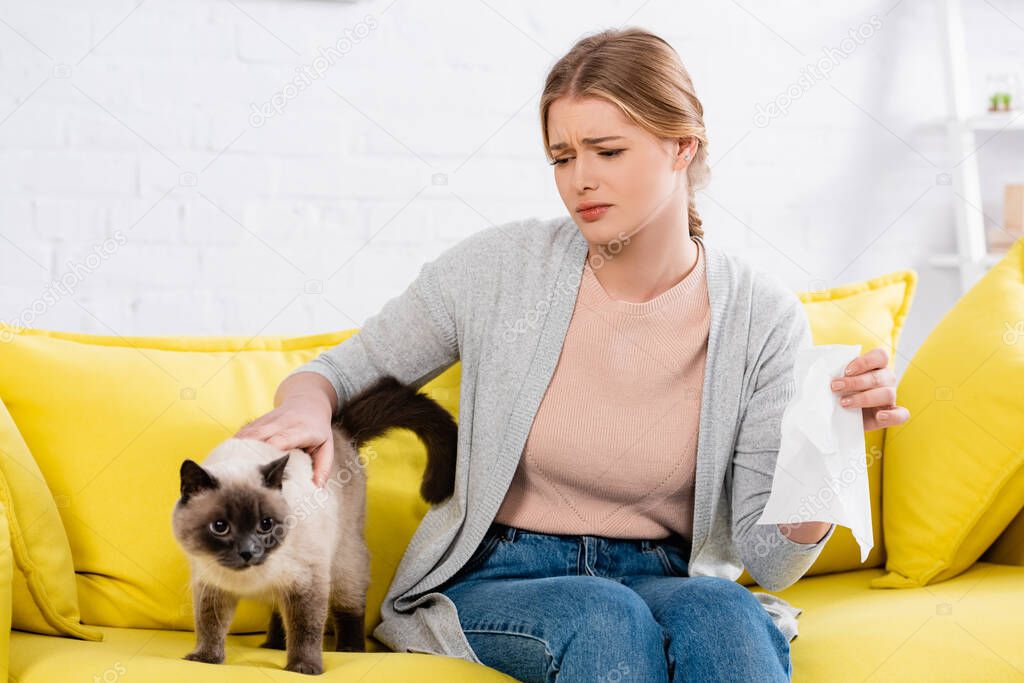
552 607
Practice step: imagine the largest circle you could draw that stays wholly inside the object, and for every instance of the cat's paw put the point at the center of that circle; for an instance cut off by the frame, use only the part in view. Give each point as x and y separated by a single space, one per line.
304 667
205 656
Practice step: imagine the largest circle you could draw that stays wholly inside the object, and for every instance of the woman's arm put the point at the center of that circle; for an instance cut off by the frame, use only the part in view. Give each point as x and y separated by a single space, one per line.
774 558
413 338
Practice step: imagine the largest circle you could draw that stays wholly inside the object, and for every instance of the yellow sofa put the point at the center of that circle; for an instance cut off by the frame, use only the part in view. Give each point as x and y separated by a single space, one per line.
98 426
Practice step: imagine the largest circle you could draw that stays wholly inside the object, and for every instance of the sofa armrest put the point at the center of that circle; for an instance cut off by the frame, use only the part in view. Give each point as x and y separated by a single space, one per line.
6 579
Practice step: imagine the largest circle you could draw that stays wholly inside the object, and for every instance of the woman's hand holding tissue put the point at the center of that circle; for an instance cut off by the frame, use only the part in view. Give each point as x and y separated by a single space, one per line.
870 384
820 473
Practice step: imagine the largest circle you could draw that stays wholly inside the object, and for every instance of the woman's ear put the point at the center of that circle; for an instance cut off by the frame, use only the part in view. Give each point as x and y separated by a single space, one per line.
688 148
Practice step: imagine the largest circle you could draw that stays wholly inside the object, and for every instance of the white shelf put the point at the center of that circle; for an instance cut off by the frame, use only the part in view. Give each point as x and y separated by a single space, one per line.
956 261
1004 120
972 257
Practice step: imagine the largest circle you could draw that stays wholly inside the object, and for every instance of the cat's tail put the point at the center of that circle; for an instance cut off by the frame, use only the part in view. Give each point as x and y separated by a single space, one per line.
388 403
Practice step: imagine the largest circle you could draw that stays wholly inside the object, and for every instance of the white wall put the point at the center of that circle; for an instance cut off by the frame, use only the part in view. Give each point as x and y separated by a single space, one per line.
133 170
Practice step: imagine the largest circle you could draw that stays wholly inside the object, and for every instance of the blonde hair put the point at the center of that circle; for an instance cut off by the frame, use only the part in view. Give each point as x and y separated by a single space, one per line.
643 75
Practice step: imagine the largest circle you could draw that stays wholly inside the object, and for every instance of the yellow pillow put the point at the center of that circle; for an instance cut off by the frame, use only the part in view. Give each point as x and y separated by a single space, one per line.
954 473
1009 547
109 420
870 313
6 576
45 599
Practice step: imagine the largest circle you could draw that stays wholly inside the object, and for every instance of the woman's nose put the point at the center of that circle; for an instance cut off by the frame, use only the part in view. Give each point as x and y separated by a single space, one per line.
582 179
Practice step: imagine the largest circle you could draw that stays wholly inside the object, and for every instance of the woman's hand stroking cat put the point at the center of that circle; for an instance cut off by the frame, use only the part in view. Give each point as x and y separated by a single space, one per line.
301 421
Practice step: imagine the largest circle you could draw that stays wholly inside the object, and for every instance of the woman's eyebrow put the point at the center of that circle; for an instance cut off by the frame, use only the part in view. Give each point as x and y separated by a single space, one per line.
586 141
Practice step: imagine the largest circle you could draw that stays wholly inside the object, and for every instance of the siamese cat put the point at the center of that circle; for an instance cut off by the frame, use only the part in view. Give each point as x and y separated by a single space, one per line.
253 524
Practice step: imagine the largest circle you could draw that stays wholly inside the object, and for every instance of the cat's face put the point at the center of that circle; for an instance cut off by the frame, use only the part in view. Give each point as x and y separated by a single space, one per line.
239 524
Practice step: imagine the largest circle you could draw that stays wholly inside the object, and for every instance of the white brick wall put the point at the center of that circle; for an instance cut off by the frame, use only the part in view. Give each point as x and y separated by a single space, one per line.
133 123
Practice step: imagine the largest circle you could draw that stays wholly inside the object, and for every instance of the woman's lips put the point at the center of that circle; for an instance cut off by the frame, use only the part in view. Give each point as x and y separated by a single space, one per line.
594 213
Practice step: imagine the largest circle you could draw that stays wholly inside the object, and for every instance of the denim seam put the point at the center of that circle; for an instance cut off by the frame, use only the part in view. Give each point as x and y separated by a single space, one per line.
547 648
665 561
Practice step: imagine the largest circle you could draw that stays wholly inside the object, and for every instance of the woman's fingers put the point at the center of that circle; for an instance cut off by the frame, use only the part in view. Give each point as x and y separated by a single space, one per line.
892 416
261 428
872 398
283 440
875 358
297 423
322 457
869 380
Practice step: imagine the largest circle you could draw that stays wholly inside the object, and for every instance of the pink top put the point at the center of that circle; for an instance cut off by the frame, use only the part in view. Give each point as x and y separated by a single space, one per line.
612 450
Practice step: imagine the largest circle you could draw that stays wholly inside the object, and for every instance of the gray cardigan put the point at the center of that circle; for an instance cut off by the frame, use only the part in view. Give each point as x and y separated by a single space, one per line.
500 301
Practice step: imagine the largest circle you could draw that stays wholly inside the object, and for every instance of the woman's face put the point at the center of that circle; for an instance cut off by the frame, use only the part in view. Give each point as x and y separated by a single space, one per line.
600 156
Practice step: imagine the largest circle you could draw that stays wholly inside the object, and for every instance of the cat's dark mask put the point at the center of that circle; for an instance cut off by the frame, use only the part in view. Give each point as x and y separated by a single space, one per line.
239 525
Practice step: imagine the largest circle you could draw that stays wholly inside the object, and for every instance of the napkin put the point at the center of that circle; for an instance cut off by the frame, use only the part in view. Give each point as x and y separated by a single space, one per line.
821 471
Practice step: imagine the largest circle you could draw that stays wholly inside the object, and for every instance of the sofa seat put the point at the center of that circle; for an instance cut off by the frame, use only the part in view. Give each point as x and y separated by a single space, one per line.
970 627
155 656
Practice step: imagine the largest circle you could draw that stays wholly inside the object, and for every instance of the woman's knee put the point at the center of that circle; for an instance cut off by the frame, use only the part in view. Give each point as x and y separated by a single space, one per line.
713 593
584 626
717 624
614 613
613 636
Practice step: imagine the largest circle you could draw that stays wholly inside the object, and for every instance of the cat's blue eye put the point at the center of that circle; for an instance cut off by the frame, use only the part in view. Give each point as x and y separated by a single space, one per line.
266 524
219 527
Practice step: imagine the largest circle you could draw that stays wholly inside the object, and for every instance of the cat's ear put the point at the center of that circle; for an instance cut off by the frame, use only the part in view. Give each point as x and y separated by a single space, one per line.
273 472
195 479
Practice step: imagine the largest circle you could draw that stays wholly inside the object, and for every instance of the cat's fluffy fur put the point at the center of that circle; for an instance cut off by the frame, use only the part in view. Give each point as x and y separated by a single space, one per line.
254 525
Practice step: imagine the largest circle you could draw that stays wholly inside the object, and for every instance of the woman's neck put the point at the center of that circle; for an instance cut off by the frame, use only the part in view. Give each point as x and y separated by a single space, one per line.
655 259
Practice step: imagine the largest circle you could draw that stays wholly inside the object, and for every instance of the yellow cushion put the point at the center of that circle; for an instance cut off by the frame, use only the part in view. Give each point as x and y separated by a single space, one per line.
870 313
109 420
965 629
45 598
6 575
1009 547
954 473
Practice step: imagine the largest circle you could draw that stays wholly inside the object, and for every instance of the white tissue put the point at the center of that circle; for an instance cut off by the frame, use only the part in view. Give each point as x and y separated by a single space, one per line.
821 471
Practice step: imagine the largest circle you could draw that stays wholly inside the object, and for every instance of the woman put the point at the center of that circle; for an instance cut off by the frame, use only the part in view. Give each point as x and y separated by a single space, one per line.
622 390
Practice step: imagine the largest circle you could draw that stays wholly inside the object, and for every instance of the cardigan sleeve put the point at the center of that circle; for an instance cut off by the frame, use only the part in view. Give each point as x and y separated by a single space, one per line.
413 338
773 560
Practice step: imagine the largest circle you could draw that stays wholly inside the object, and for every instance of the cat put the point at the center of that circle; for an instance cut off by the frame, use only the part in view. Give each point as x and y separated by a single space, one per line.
253 524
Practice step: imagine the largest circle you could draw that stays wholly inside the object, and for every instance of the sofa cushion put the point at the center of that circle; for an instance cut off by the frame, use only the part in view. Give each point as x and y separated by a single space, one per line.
45 597
109 420
954 473
870 313
1009 547
6 576
965 629
155 656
